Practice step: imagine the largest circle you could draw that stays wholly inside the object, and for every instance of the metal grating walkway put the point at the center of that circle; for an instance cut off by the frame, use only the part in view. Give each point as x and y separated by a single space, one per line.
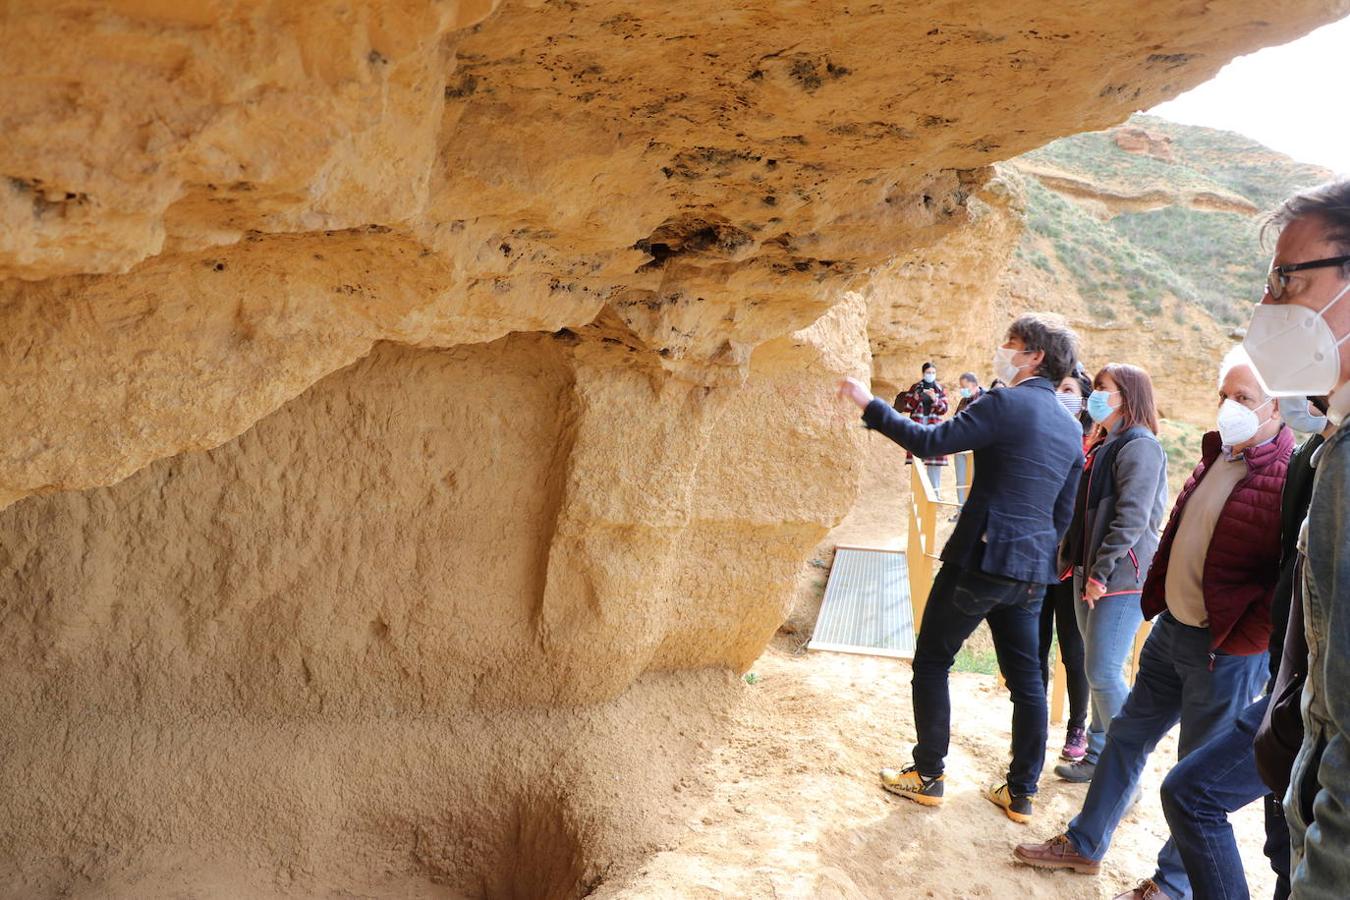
866 607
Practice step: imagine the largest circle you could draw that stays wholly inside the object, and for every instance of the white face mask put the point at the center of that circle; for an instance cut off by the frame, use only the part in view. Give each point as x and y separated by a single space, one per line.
1294 350
1237 423
1004 367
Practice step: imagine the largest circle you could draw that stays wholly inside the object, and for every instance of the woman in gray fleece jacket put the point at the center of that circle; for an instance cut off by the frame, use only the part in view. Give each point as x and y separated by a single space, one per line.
1118 515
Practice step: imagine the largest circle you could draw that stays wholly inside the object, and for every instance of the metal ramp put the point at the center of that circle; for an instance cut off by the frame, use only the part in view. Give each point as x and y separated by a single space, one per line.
867 606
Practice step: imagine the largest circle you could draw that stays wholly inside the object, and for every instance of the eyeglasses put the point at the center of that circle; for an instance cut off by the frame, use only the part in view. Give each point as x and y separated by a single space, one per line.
1278 277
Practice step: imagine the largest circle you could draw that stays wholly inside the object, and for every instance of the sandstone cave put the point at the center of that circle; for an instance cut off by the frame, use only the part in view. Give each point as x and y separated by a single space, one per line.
419 412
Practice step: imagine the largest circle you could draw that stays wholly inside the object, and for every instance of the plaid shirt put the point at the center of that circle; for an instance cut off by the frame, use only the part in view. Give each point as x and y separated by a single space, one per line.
912 403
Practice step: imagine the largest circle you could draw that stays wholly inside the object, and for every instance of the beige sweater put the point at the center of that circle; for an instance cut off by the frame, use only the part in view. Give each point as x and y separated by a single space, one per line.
1186 570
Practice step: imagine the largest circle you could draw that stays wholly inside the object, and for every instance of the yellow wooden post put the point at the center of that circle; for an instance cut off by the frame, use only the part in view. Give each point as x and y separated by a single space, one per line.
1139 637
1061 689
920 566
921 544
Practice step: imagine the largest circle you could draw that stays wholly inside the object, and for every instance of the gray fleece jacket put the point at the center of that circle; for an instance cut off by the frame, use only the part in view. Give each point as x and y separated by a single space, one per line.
1119 511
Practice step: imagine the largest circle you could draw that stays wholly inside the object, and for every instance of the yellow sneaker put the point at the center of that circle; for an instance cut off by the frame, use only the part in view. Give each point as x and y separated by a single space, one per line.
1017 808
908 783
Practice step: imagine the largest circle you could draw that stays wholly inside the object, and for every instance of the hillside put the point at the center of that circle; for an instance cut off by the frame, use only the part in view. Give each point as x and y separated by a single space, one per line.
1152 211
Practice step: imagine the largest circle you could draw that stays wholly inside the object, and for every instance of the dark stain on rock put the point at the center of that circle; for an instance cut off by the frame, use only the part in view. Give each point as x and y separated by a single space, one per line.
875 131
691 234
1119 90
701 162
1171 60
464 86
806 72
45 200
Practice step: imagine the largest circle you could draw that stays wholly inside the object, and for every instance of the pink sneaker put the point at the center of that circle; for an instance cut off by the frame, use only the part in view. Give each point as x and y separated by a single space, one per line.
1075 745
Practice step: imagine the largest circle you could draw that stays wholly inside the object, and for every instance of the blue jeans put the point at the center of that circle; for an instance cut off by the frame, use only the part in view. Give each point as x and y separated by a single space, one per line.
935 478
1108 631
962 478
1177 681
1198 794
959 600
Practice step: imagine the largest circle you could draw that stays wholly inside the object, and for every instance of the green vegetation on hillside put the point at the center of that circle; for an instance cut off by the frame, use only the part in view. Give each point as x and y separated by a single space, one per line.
1217 255
1211 259
1095 157
1238 163
1181 442
1101 261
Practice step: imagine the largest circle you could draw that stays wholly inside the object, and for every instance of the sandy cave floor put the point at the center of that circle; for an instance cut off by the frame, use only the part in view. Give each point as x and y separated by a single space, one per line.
788 804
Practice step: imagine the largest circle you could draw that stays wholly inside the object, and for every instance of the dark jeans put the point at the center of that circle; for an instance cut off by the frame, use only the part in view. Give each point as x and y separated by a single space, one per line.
959 600
1277 845
1177 681
1057 612
1218 778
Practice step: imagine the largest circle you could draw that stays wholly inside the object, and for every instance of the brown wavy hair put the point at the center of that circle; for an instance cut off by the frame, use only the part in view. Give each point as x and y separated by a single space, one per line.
1137 404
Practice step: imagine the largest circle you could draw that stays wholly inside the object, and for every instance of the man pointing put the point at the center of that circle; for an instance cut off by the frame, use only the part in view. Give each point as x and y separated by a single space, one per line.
995 566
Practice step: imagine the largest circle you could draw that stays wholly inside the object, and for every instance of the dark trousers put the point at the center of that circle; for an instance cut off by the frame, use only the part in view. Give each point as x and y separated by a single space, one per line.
1057 613
1277 845
959 600
1218 778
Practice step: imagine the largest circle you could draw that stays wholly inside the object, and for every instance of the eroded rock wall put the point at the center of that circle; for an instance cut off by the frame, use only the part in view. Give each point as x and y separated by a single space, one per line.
951 302
414 406
308 657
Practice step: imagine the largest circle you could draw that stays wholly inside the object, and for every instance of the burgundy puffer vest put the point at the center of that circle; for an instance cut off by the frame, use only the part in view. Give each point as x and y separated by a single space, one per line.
1243 561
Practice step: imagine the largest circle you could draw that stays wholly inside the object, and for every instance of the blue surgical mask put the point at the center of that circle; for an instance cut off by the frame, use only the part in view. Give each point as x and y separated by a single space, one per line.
930 377
1099 405
966 392
1299 416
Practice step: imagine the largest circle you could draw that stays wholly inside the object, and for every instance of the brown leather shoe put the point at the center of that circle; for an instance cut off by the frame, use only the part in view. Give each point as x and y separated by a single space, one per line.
1146 890
1057 853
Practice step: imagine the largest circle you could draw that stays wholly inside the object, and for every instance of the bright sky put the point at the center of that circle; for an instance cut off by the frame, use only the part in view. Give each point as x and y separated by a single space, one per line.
1284 97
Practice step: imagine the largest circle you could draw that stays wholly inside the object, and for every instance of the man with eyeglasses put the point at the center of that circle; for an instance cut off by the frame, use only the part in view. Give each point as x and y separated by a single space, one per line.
1299 341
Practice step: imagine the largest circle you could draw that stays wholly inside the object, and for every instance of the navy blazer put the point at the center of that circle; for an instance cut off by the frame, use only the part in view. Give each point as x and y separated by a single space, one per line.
1028 460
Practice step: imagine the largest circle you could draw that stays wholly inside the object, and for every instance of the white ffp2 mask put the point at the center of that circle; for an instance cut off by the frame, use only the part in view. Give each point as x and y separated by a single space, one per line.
1294 350
1237 423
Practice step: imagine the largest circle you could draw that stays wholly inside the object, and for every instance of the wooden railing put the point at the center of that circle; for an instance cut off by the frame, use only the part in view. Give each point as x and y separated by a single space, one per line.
922 559
922 551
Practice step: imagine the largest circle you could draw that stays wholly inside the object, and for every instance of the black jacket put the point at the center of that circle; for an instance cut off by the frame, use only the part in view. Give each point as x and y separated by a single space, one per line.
1281 732
1028 458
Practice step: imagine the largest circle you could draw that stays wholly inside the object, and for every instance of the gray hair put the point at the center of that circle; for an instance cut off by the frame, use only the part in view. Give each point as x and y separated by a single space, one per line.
1329 202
